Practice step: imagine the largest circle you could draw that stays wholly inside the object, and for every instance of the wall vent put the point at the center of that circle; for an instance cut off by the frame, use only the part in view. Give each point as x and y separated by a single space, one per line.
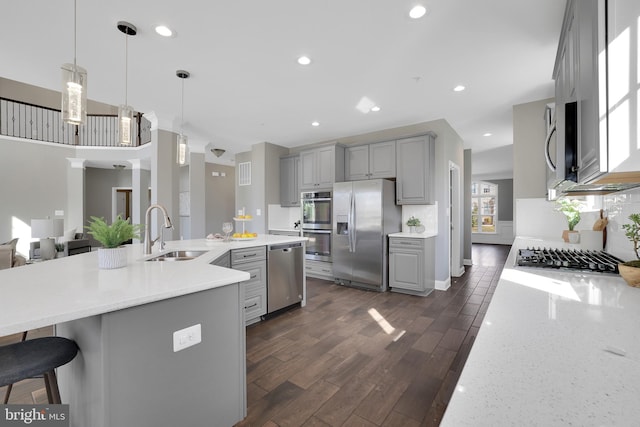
244 173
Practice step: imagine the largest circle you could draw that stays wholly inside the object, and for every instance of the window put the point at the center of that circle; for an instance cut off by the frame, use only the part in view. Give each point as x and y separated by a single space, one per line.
484 207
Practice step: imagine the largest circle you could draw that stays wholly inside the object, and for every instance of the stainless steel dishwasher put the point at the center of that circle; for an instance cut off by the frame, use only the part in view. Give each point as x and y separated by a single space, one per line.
285 275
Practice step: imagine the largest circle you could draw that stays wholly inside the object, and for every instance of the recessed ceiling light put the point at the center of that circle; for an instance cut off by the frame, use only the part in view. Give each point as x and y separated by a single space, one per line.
417 11
487 134
459 88
315 124
375 108
304 60
164 31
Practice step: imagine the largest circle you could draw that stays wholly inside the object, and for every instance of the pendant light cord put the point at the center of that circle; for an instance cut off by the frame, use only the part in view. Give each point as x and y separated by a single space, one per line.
126 67
75 30
182 118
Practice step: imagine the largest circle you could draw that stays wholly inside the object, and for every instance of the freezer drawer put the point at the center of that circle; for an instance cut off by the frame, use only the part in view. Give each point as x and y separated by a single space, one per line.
285 276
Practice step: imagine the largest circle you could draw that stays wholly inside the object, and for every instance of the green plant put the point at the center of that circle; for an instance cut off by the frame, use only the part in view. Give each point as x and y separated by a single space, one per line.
112 236
570 209
632 231
59 247
413 222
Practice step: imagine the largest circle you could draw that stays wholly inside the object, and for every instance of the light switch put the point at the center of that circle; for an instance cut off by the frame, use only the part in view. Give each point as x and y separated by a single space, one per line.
258 212
187 337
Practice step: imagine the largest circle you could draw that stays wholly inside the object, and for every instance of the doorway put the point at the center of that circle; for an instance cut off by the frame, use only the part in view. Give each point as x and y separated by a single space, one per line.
455 221
121 203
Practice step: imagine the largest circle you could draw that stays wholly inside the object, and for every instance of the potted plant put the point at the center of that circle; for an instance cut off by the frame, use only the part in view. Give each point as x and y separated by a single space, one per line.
59 250
413 222
112 254
630 270
571 209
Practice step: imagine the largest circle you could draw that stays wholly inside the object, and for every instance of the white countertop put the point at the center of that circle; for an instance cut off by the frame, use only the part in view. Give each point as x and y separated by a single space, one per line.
69 288
424 235
540 356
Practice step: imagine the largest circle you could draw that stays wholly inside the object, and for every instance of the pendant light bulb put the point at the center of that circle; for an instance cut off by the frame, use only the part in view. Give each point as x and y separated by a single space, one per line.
74 86
182 140
126 132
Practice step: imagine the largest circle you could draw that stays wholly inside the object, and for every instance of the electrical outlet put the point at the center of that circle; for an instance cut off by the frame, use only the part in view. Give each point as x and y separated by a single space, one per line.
187 337
258 212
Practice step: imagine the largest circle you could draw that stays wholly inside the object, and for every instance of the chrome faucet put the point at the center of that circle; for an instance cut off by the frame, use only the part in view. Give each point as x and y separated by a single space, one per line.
147 228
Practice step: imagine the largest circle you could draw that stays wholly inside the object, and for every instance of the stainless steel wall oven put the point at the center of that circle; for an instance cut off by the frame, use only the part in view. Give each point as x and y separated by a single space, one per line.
317 215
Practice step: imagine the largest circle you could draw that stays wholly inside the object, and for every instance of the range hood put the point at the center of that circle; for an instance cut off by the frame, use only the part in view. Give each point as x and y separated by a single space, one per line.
609 183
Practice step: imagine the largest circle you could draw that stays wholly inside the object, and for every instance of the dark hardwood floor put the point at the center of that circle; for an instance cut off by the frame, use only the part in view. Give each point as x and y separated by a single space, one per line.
358 358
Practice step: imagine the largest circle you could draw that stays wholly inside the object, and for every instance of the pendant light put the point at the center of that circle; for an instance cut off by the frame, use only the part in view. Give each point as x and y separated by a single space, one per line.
181 157
125 112
74 86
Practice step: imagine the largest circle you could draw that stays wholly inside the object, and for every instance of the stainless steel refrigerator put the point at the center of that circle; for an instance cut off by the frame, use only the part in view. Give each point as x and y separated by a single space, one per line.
364 213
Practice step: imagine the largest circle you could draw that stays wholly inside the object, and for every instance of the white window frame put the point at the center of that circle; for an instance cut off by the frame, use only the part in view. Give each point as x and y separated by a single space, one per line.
479 198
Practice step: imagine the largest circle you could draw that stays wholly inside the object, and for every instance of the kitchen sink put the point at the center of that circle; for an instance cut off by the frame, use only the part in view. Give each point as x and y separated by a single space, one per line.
177 256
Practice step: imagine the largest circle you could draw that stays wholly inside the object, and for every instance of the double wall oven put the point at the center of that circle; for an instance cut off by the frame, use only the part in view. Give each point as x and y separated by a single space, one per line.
316 224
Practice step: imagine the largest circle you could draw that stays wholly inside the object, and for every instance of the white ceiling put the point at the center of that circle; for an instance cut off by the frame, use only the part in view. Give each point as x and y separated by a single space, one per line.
246 86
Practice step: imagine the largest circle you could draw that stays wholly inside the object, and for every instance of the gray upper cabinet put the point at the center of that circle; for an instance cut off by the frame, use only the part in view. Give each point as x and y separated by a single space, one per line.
290 181
579 77
415 169
321 167
370 161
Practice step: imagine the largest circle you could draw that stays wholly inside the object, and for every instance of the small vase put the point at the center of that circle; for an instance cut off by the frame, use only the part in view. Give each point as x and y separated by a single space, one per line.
412 229
567 236
630 272
110 258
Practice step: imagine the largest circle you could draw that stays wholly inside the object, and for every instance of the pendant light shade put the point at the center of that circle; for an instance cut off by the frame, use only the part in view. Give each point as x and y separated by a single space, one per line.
182 140
126 123
74 86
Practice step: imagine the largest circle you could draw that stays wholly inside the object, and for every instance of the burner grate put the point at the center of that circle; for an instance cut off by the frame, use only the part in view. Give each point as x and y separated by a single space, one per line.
570 259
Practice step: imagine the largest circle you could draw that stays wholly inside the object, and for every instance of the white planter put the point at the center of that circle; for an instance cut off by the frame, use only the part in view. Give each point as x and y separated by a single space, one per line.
109 258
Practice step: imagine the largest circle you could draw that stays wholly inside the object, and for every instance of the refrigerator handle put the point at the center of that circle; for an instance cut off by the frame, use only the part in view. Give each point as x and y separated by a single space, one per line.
353 221
350 222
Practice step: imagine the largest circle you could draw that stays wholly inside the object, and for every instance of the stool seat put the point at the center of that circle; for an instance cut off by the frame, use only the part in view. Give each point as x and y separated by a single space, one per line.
34 357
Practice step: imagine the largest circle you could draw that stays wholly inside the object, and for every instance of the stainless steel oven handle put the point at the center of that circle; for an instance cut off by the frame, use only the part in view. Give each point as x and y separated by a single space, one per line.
316 231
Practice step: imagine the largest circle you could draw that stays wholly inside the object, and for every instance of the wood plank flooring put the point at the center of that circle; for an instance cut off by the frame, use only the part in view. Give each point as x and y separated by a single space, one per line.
357 358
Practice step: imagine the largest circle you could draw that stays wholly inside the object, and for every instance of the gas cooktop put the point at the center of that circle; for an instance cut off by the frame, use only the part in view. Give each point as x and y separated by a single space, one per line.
569 259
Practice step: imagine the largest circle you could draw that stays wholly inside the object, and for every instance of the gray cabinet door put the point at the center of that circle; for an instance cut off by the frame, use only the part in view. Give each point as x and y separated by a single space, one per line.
382 160
405 269
415 170
290 181
309 169
326 166
357 163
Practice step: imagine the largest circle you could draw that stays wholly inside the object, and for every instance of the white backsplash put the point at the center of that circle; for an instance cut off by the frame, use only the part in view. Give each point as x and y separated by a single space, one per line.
538 218
427 214
282 218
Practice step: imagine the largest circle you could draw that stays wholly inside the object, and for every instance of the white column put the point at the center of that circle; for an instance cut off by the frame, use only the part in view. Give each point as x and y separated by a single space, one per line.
197 193
140 192
75 194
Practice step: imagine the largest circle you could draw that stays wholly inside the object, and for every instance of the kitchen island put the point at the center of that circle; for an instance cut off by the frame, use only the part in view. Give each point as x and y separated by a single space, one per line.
555 348
127 372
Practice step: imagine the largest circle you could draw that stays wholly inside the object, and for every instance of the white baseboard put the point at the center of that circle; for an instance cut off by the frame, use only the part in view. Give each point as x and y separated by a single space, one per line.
458 273
443 285
467 262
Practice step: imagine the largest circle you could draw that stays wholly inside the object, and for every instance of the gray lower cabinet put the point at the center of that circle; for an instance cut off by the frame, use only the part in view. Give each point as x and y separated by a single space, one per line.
127 354
412 265
223 261
253 261
415 168
370 161
319 269
290 181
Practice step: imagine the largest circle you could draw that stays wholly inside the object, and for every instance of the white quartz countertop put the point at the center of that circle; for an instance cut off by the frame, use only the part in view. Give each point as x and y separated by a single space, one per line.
544 355
69 288
424 235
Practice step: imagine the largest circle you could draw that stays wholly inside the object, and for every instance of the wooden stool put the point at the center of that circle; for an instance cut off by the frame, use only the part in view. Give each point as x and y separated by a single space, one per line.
39 356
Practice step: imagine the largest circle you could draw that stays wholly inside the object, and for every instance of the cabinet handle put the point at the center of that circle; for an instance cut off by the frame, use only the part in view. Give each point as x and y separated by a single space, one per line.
249 256
250 306
326 271
254 276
